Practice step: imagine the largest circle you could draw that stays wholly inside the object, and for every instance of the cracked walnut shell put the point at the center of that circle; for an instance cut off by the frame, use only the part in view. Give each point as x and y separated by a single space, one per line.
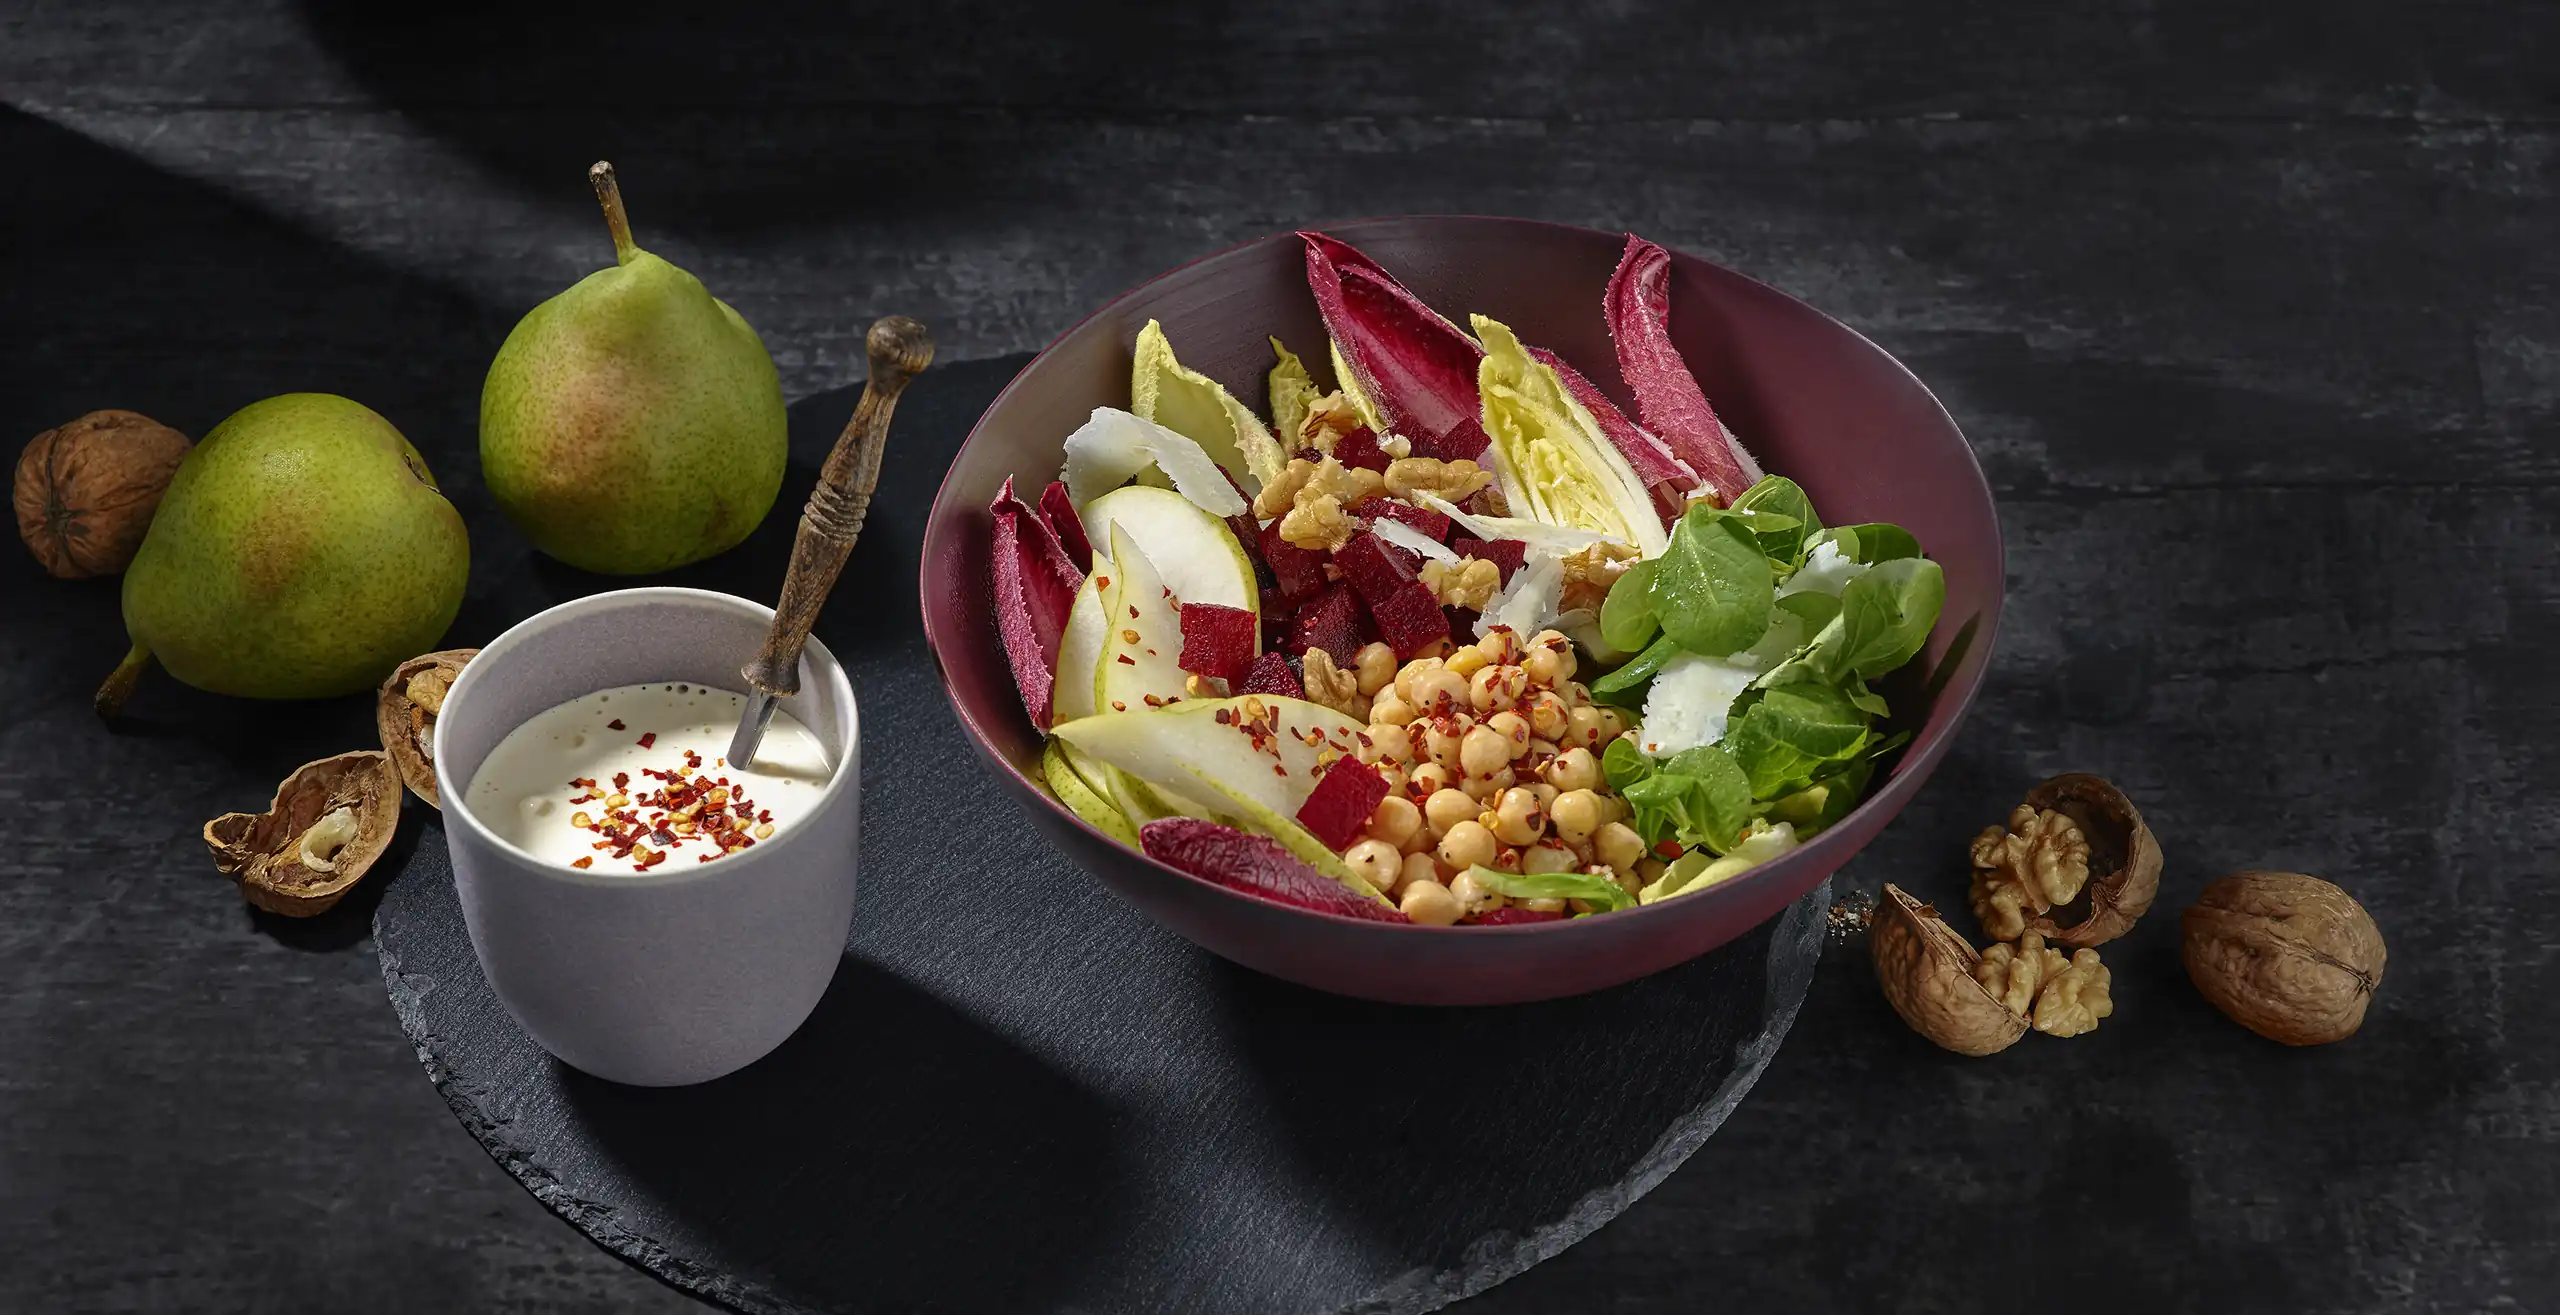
2123 863
330 820
2036 862
1927 971
405 712
2287 956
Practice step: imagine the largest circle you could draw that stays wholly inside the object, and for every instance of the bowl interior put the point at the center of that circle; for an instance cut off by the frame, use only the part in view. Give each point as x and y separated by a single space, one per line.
1809 397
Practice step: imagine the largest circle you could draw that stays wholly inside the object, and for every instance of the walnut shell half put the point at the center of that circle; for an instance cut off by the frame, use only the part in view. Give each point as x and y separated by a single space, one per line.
2124 862
2289 957
406 710
1926 969
330 820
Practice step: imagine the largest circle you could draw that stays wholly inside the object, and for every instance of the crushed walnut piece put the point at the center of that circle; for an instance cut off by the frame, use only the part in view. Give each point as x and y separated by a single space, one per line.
1589 573
2013 973
1328 418
2038 861
1278 496
1332 686
1319 524
2074 997
1454 480
1351 485
1470 584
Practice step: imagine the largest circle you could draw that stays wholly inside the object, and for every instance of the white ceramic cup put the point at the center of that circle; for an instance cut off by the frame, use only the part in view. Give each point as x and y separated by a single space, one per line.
664 978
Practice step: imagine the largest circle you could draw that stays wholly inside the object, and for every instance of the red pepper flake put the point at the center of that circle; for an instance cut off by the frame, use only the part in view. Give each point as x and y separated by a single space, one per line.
1118 706
1278 770
1226 718
584 861
1153 701
649 740
621 780
1133 614
765 816
615 725
1126 658
1102 582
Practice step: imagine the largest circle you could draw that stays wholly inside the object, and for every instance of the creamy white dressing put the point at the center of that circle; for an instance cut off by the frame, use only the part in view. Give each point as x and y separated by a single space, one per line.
658 749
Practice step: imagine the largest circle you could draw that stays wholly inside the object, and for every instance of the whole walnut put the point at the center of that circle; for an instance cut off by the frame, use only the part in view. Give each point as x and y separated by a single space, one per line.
2289 957
85 492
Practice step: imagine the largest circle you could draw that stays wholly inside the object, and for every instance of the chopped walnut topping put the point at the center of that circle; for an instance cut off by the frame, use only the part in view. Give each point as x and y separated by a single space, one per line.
1490 502
1470 584
1351 485
1278 496
2074 997
1195 685
2040 860
1328 418
1589 573
1319 524
1332 686
1453 480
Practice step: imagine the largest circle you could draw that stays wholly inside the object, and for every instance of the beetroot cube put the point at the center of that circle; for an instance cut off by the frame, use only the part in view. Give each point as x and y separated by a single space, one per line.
1254 865
1504 553
1218 640
1410 620
1359 449
1462 620
1342 802
1298 571
1271 674
1060 511
1433 525
1335 622
1513 915
1374 567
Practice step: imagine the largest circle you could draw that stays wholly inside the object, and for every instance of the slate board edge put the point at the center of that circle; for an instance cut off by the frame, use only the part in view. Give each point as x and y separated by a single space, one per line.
1795 950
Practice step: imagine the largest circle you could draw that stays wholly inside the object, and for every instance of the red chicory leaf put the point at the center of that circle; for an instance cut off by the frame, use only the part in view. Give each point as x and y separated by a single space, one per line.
1059 511
1638 308
1651 458
1254 865
1035 587
1415 367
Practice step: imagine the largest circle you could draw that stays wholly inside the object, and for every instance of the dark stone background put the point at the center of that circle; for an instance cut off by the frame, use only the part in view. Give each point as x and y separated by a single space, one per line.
2249 310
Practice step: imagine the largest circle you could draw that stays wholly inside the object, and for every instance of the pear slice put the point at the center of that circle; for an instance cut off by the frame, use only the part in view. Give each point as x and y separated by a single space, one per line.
1142 633
1199 408
1080 647
1265 748
1195 554
1080 798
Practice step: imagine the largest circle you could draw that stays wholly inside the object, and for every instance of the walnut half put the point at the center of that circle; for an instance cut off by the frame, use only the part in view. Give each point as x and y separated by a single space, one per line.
330 820
1928 974
405 712
2075 865
2039 860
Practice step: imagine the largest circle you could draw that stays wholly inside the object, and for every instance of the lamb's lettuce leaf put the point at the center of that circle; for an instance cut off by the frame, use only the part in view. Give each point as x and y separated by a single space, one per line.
1713 587
1609 895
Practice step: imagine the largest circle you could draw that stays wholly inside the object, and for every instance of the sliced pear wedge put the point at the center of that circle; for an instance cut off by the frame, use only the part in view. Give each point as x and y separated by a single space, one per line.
1142 633
1269 749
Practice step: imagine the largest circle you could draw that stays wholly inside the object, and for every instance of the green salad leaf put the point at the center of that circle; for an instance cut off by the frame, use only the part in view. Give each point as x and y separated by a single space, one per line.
1699 796
1871 542
1554 885
1795 734
1782 517
1713 587
1624 687
1885 616
1627 622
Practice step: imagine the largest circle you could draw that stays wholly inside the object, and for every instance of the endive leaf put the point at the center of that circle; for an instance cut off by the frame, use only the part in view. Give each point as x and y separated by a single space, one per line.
1199 408
1407 370
1638 307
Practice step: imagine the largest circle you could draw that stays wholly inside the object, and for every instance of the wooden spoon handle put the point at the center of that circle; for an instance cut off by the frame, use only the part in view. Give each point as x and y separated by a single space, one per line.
900 349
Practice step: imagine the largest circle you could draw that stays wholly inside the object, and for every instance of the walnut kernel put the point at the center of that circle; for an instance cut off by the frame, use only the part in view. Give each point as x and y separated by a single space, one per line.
1318 524
1589 572
1328 418
2074 995
2038 861
2290 957
1452 480
1278 496
2014 973
1470 584
1332 686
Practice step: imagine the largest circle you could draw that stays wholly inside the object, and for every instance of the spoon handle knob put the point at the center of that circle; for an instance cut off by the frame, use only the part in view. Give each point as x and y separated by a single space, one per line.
900 349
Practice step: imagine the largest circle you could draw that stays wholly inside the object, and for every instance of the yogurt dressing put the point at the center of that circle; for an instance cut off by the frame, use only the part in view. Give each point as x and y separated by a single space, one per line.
632 778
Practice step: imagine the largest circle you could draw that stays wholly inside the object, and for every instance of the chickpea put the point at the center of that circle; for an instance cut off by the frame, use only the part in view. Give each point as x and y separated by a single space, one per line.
1444 740
1618 845
1414 671
1446 809
1550 658
1430 904
1417 867
1546 793
1577 816
1650 870
1518 819
1581 727
1546 858
1376 667
1484 752
1468 843
1546 713
1388 710
1428 779
1514 729
1486 787
1472 896
1574 769
1395 821
1544 905
1388 742
1393 775
1500 645
1497 689
1613 723
1377 862
1627 881
1439 691
1466 662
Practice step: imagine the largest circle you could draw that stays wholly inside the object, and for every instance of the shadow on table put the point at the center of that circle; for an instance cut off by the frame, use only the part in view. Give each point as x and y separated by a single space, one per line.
892 1155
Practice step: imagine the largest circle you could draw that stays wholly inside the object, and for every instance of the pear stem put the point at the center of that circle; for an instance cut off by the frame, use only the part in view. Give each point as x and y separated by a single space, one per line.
609 195
120 682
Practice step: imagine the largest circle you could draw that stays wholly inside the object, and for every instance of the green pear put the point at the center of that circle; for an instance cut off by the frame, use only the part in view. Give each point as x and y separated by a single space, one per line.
301 552
634 422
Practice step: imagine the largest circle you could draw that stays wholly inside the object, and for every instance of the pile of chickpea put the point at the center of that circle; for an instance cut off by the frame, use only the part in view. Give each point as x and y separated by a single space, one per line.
1492 752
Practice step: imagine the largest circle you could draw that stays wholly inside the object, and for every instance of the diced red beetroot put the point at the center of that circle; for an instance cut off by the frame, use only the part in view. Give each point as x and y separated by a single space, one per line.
1410 620
1432 524
1279 616
1035 588
1298 571
1512 915
1333 621
1504 553
1342 802
1255 865
1060 512
1462 620
1271 674
1378 569
1359 450
1218 640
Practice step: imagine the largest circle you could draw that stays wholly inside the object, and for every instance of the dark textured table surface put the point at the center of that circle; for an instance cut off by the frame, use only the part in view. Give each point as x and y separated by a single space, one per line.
2250 313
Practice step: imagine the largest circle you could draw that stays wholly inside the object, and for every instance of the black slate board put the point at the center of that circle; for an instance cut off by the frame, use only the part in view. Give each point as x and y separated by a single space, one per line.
1021 1095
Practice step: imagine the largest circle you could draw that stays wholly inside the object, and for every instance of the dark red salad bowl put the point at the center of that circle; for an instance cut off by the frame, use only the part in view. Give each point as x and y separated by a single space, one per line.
1810 397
